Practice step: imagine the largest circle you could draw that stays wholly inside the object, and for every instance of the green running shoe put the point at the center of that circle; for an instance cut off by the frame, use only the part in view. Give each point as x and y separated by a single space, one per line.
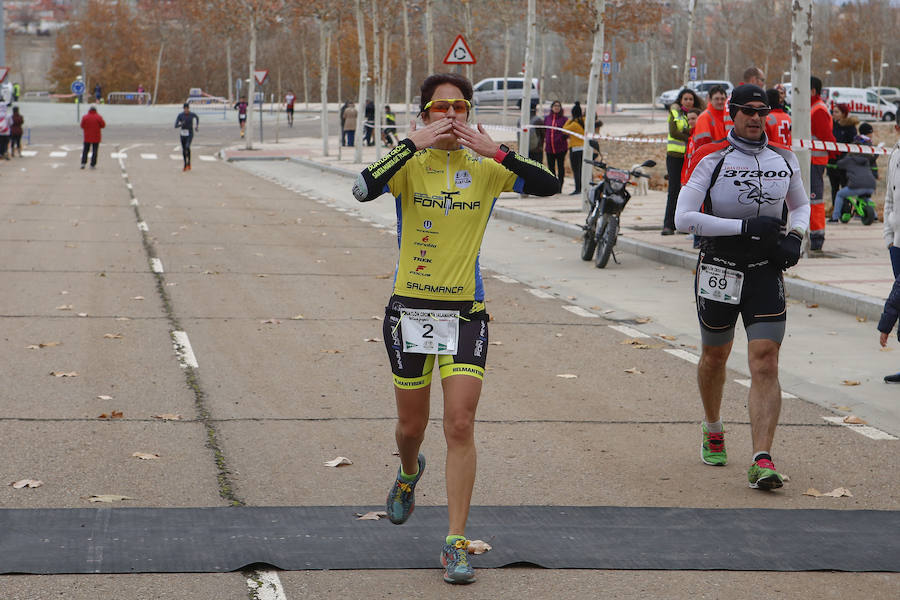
455 558
763 476
401 500
712 450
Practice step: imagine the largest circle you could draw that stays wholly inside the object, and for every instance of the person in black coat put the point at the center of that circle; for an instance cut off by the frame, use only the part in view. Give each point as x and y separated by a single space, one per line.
888 320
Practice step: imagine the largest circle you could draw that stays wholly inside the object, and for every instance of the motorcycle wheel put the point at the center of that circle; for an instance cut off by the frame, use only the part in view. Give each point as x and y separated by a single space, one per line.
607 239
869 215
588 241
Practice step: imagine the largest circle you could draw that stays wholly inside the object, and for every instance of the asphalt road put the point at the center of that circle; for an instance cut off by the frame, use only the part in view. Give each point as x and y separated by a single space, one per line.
277 290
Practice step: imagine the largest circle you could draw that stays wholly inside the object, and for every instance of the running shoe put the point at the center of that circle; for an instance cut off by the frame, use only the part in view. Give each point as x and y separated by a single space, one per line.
763 476
712 450
455 558
401 500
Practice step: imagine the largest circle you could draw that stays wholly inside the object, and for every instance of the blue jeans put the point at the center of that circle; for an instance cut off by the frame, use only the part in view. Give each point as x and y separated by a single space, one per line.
843 193
349 136
895 259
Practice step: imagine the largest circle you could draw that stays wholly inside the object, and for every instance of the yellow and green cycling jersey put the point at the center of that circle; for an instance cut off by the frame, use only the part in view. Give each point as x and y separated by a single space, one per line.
443 201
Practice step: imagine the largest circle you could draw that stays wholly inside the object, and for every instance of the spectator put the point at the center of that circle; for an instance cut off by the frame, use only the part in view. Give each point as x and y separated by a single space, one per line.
755 76
5 126
98 93
536 137
693 117
343 108
555 141
576 144
91 123
866 130
860 179
783 98
892 192
369 125
712 125
844 130
350 116
821 127
16 91
889 319
15 132
778 122
679 134
140 91
391 127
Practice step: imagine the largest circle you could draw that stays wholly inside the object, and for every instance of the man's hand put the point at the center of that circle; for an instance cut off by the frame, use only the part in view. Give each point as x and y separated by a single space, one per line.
761 228
883 340
788 252
439 130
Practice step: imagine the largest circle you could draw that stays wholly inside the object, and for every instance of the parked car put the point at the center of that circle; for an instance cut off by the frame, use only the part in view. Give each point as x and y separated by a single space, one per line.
701 87
490 91
891 94
864 104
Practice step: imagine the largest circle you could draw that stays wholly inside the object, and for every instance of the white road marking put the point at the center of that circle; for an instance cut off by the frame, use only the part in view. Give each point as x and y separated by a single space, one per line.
134 202
540 294
124 175
29 152
58 154
784 395
207 157
683 354
866 430
265 585
148 156
118 155
129 186
175 156
156 265
630 332
378 225
142 225
183 350
581 312
505 279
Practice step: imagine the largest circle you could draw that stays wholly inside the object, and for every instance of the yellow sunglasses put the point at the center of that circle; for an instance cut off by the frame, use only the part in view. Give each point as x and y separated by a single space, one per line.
441 106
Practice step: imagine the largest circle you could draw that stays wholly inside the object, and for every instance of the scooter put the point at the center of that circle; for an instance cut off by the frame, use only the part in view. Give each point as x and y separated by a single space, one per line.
861 205
607 200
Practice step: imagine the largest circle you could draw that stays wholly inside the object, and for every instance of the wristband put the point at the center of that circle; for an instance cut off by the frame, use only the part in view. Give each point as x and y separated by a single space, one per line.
501 153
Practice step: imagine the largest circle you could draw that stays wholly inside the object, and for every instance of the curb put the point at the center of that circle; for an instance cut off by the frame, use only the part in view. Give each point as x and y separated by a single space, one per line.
845 301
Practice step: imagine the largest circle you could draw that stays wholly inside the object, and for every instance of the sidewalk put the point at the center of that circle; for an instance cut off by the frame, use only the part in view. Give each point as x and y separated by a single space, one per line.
854 274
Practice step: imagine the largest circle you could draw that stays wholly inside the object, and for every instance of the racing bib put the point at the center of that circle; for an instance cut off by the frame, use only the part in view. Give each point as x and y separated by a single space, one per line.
185 132
719 284
427 331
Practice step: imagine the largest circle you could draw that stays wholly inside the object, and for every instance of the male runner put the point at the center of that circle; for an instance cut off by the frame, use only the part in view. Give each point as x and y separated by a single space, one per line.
185 122
241 106
289 109
735 199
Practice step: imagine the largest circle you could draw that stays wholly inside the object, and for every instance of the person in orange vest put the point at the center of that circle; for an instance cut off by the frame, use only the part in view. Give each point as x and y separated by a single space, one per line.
821 126
778 122
713 125
693 114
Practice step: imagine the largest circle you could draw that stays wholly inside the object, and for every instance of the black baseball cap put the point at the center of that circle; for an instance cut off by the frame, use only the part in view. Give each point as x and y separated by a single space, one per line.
743 94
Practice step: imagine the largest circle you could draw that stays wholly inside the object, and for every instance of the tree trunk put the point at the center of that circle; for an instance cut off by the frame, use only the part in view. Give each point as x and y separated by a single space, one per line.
158 64
590 111
228 68
305 75
468 18
801 42
376 78
407 92
881 67
429 36
324 39
251 87
541 79
690 35
506 44
525 112
363 73
651 50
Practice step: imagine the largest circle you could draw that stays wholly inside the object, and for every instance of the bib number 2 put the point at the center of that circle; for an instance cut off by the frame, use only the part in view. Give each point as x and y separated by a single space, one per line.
428 331
720 284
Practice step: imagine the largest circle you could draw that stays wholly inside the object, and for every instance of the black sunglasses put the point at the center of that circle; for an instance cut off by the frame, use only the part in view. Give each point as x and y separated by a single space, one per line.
754 110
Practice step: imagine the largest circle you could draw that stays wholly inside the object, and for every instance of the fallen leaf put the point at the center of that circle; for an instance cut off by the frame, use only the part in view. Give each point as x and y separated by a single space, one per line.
145 456
65 307
336 462
813 492
596 308
261 275
862 319
608 311
104 397
671 338
297 317
844 408
854 420
634 371
137 297
635 343
849 382
32 347
64 373
82 314
114 414
371 516
478 547
572 298
838 493
167 417
495 343
123 319
886 349
559 335
330 351
382 276
567 375
108 498
643 320
812 305
271 322
27 483
112 336
373 340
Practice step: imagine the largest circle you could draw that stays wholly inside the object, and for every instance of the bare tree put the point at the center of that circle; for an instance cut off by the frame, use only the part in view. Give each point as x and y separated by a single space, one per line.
407 94
363 74
525 112
598 11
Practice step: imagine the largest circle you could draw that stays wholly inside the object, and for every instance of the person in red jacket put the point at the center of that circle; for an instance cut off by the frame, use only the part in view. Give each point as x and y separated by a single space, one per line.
713 125
821 125
91 123
778 122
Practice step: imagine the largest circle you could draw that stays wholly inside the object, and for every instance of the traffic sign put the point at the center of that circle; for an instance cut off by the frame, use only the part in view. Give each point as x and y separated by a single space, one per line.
607 68
693 61
693 73
606 57
4 71
260 75
77 87
459 53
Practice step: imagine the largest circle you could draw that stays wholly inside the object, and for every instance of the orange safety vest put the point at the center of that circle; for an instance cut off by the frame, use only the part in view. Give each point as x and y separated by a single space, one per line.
778 128
820 157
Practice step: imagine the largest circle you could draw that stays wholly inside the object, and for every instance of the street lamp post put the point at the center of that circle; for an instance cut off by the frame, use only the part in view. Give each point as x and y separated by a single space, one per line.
80 63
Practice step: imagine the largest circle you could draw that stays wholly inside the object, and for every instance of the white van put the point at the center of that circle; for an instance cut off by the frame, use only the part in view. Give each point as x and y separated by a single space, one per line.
864 104
490 91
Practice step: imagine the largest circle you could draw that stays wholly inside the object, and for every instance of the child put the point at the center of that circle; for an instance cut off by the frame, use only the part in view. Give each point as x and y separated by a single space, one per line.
860 179
887 322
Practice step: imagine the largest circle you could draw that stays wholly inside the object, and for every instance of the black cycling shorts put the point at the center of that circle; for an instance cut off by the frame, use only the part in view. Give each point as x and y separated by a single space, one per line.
412 370
762 305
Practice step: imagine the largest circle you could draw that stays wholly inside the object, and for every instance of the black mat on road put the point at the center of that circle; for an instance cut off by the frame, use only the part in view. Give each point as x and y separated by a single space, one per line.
219 539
